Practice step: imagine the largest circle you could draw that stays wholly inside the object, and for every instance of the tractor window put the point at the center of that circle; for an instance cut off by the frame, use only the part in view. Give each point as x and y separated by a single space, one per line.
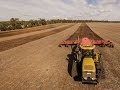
87 52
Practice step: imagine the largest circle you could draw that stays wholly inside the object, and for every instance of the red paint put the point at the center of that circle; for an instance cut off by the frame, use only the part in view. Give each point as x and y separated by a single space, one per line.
86 41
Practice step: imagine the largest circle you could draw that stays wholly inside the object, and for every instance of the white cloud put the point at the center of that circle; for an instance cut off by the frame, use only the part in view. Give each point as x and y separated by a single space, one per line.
109 2
72 9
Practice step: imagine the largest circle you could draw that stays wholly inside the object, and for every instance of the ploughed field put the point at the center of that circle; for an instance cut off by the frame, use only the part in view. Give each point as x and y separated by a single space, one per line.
31 59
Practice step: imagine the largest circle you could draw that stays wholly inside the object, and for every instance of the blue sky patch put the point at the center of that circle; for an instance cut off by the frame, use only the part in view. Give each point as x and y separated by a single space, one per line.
68 1
118 1
93 2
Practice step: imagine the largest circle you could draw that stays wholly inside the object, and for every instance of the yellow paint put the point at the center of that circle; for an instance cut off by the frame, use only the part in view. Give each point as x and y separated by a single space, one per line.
87 47
88 62
97 57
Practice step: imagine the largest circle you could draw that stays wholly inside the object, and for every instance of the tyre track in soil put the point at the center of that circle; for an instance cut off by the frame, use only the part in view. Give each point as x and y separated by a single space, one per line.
8 44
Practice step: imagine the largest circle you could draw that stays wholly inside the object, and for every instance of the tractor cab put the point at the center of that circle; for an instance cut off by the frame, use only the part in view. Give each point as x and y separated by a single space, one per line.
87 48
87 53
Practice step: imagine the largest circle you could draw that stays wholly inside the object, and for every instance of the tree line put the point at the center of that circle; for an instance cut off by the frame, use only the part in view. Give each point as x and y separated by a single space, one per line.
15 23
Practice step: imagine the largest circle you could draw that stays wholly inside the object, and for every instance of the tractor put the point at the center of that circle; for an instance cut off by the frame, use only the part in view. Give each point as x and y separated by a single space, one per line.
91 60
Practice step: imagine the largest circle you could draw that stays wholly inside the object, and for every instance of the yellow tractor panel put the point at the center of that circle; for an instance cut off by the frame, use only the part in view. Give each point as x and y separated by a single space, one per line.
87 47
88 65
96 57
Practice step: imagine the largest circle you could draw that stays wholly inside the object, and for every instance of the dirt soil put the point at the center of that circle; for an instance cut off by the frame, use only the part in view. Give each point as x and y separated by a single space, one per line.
42 65
84 31
111 56
8 44
27 30
14 36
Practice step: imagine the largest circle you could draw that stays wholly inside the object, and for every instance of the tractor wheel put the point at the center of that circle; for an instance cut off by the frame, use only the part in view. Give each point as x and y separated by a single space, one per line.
74 69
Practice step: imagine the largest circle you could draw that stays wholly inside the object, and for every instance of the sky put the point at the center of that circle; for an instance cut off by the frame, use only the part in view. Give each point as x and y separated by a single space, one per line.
63 9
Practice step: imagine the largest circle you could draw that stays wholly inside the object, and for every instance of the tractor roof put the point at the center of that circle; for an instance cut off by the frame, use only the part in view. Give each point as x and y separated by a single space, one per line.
87 44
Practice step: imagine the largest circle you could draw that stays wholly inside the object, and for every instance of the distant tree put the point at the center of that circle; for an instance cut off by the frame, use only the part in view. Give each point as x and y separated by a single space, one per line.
43 21
36 22
10 27
18 26
31 23
14 22
3 27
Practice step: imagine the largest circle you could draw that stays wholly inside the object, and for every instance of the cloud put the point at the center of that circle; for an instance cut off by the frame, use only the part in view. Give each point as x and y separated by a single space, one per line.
71 9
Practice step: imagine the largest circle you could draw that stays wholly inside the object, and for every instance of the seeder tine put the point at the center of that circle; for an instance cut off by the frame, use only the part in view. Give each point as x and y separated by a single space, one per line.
59 45
102 45
66 45
111 45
